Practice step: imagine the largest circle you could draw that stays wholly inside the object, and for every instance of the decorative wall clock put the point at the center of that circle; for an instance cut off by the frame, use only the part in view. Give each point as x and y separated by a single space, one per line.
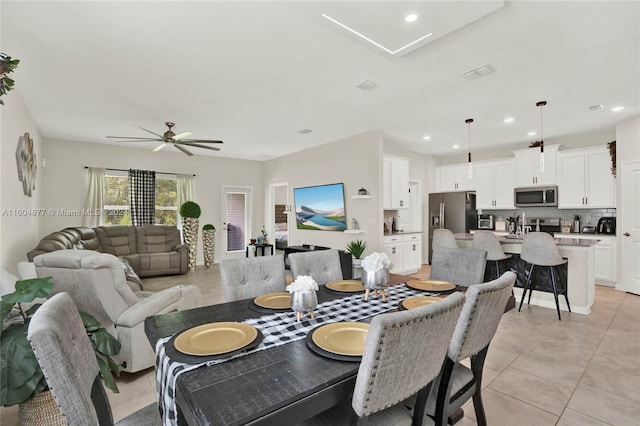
27 165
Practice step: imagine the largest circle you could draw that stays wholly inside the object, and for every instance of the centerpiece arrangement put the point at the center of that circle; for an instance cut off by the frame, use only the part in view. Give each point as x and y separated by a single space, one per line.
375 275
303 296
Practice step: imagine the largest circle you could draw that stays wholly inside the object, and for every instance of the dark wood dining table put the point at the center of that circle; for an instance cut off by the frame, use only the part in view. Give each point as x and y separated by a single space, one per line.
278 386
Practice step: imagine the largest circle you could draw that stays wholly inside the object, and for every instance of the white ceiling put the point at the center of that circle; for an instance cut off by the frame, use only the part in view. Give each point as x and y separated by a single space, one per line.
254 73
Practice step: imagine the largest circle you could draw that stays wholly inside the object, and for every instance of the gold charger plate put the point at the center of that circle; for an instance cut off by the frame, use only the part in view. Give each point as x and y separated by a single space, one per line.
343 338
215 338
417 301
274 300
431 285
346 286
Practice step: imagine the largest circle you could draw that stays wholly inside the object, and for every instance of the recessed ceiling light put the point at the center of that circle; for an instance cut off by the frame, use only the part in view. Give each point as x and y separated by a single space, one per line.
618 108
509 120
531 134
411 17
455 146
426 137
365 84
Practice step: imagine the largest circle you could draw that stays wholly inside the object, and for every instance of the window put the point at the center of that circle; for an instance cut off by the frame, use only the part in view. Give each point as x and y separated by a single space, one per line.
116 199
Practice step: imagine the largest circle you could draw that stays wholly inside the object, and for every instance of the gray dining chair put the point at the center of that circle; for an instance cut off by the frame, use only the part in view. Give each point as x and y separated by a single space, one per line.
67 359
539 249
322 265
477 324
463 267
403 354
487 241
443 238
248 277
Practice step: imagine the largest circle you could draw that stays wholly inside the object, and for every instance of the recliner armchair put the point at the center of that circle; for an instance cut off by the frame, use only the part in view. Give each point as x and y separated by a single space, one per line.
97 284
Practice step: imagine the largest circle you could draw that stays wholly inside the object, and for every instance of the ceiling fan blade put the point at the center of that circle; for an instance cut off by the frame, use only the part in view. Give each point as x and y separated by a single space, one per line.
213 148
147 130
181 136
132 137
159 147
143 140
186 151
201 141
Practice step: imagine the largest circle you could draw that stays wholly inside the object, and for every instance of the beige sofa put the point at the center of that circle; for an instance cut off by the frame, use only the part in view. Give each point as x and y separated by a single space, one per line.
97 285
151 250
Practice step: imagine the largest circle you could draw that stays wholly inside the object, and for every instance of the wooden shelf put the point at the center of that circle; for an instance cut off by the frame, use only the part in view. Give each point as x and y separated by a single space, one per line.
360 197
354 231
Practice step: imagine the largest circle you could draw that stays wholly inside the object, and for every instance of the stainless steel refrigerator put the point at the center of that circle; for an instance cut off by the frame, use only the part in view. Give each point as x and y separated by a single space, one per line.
455 211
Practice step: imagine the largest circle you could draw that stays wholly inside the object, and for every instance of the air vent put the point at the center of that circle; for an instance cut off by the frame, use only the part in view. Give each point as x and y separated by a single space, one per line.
596 107
478 72
305 131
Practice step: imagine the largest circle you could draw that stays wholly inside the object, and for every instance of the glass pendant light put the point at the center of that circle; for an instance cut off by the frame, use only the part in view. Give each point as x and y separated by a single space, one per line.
541 142
469 167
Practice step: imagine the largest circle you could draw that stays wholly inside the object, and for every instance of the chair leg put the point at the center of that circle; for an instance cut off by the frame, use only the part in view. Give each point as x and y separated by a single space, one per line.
420 408
444 393
477 365
555 292
497 269
526 286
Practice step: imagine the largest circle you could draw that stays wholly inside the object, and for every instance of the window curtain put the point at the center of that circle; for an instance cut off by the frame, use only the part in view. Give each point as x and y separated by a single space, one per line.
94 197
142 197
184 189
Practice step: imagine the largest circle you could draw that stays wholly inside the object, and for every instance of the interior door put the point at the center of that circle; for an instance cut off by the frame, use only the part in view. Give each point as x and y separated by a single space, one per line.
236 211
628 229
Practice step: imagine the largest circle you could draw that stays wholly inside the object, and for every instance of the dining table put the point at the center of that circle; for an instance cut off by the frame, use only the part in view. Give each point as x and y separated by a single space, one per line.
277 383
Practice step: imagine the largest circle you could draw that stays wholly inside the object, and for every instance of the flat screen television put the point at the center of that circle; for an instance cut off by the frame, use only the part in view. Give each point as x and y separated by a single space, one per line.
320 208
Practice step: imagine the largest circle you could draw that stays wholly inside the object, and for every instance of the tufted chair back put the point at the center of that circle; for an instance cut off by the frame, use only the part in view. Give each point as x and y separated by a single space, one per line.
322 265
464 267
249 277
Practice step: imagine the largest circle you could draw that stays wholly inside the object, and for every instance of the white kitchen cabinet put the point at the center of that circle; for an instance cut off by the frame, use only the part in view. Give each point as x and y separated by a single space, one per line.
395 171
528 171
494 184
454 177
604 257
405 252
584 179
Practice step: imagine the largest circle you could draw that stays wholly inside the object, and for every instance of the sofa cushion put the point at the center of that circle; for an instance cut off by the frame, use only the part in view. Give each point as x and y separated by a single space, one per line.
117 240
157 238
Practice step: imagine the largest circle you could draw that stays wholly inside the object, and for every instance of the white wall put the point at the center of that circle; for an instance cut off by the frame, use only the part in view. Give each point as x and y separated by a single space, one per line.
18 234
355 161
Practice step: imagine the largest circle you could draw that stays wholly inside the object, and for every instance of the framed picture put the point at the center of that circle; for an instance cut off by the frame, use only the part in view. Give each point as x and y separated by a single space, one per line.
27 164
320 208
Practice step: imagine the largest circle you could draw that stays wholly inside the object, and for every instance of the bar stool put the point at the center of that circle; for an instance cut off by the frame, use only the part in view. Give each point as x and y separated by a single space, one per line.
487 241
443 238
539 249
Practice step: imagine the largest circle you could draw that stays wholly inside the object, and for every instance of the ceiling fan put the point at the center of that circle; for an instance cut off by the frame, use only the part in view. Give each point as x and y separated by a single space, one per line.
179 141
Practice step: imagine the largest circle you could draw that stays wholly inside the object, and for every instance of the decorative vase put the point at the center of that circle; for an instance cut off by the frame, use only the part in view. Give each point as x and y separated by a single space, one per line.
208 246
40 410
304 301
190 235
357 268
375 280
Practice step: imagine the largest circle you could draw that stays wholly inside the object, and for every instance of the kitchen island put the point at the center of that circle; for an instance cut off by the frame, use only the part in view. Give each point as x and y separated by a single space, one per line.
580 279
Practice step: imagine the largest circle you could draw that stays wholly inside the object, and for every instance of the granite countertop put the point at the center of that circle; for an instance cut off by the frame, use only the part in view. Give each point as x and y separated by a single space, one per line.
573 241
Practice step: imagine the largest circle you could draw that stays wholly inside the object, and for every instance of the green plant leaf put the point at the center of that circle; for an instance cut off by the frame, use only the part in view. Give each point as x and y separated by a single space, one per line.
105 343
107 376
28 290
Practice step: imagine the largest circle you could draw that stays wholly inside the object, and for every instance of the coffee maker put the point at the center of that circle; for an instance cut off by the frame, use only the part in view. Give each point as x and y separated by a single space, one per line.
606 225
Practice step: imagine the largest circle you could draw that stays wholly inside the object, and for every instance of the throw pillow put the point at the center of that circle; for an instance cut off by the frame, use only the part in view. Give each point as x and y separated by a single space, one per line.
132 278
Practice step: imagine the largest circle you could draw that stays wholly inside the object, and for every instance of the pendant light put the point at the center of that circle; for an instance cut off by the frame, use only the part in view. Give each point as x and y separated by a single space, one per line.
541 141
469 167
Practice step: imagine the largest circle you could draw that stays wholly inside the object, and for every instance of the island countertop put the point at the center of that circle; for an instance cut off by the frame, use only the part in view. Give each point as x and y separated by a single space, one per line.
561 241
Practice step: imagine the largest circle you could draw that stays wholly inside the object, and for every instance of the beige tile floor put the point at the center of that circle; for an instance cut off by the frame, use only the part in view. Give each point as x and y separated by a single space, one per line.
583 370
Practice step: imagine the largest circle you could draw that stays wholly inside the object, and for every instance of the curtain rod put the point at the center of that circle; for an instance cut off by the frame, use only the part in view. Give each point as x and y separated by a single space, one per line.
126 170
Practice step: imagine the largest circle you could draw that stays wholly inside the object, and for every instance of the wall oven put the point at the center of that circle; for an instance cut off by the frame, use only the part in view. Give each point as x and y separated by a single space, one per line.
538 196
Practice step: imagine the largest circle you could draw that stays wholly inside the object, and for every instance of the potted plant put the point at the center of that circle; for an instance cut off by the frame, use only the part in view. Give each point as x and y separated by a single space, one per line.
7 65
190 212
208 243
356 248
22 381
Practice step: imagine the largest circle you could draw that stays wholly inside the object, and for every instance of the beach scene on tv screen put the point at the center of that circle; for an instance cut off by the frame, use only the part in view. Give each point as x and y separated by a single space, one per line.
320 207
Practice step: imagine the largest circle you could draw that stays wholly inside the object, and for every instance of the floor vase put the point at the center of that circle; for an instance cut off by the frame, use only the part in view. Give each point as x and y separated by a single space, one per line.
208 246
190 235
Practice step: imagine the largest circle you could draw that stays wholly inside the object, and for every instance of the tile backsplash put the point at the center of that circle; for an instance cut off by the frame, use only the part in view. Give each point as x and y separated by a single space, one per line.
587 216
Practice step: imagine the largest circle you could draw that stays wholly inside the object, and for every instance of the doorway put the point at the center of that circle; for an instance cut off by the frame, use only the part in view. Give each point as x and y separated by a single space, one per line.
236 211
629 228
279 209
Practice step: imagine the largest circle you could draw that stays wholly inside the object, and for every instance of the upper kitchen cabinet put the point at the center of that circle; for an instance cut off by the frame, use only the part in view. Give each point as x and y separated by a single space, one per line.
528 171
454 177
585 179
395 174
494 184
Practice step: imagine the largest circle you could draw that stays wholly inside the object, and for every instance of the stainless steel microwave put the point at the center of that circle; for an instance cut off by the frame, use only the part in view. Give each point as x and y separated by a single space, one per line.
537 196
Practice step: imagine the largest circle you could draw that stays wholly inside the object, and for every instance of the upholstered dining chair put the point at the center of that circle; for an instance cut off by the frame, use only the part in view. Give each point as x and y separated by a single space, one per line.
322 265
67 359
443 238
477 324
539 249
463 267
403 353
249 277
487 241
